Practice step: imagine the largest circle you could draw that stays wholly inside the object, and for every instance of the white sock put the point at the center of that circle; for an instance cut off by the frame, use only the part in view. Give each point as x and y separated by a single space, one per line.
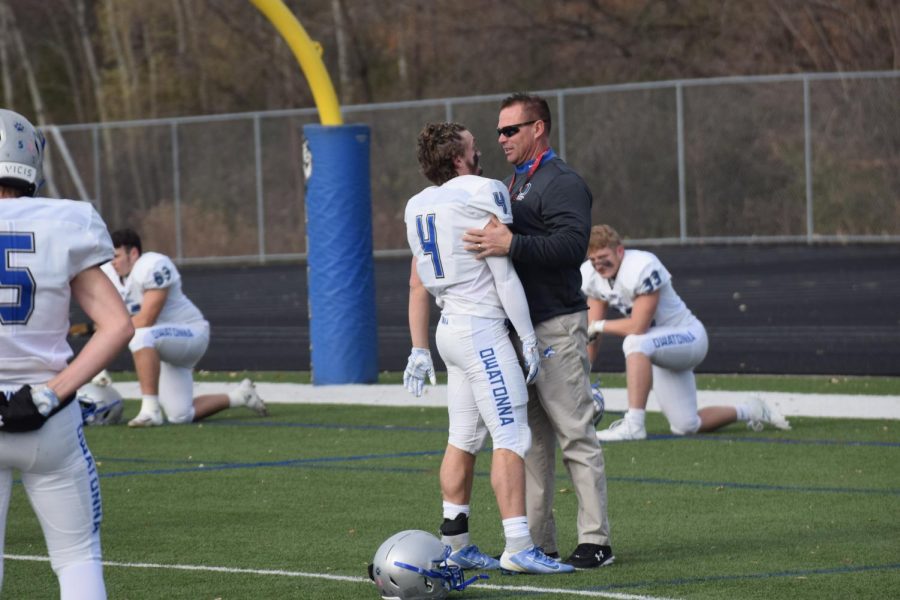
460 540
451 511
149 404
743 412
82 581
515 530
636 416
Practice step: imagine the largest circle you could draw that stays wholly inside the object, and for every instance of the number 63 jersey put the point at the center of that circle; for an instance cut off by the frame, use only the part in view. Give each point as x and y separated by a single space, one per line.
45 243
436 219
640 273
155 271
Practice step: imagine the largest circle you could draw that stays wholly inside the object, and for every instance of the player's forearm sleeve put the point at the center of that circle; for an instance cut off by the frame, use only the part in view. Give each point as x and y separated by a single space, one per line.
512 296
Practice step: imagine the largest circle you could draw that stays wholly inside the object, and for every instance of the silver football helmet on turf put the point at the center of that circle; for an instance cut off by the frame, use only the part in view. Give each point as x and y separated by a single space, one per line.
100 404
412 565
21 153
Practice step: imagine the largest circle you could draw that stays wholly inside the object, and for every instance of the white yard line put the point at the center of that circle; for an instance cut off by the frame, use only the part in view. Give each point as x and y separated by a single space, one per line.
790 404
281 573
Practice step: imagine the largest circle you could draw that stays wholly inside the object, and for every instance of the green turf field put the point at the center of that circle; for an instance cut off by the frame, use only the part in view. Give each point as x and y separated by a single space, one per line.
295 505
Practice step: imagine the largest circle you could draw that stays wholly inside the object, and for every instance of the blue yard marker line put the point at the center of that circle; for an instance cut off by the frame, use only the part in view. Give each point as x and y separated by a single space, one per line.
267 464
194 466
661 437
756 486
778 574
713 437
228 422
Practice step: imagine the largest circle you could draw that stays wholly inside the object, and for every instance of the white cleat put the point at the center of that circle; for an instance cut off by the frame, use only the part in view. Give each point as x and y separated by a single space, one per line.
102 378
470 557
761 414
146 420
622 431
251 398
533 561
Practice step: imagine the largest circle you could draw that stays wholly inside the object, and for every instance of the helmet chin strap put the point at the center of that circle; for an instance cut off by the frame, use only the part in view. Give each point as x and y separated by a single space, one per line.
453 575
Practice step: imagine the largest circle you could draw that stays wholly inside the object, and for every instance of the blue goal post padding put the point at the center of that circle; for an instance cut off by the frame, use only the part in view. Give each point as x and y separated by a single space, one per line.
341 271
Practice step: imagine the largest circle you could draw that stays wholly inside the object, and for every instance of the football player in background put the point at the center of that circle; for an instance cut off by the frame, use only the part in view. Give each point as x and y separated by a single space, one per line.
663 344
486 390
52 251
170 337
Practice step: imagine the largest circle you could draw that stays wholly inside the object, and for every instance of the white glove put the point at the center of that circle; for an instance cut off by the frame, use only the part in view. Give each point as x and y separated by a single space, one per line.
417 367
44 399
595 329
532 357
102 379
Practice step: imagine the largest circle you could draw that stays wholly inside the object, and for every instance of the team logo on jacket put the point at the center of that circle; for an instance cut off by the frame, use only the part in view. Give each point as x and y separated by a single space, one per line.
521 195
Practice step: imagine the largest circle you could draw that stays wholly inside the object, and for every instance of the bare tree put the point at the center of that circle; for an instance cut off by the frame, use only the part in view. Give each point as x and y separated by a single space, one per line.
5 76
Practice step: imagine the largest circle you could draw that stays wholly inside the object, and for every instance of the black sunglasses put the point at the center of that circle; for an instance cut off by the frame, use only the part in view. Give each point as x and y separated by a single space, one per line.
511 130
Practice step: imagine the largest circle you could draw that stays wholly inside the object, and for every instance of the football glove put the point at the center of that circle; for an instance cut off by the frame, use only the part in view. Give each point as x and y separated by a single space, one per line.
417 367
532 358
595 329
26 409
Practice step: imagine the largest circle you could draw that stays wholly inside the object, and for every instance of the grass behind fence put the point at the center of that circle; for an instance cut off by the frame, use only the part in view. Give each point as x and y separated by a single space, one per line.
808 513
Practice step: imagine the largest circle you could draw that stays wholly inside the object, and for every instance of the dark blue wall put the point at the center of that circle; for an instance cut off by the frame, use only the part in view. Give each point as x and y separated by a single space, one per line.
820 309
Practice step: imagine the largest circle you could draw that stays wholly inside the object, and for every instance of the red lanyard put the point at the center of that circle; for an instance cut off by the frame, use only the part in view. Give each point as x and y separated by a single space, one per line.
531 170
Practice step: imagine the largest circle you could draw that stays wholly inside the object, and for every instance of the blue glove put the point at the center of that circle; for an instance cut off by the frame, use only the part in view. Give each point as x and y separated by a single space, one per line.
599 402
532 358
417 367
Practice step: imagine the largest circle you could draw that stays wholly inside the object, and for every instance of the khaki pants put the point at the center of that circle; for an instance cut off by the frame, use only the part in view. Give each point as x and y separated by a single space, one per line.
560 410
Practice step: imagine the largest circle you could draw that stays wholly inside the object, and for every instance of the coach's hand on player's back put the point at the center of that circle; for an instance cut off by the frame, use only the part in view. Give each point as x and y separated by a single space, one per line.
532 358
418 366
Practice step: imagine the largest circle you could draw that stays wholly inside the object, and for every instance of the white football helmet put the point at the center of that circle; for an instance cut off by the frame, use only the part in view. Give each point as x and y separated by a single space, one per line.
412 565
21 153
100 404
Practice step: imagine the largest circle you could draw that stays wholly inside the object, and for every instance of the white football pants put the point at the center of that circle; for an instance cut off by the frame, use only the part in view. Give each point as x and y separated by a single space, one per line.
180 347
60 478
485 384
674 353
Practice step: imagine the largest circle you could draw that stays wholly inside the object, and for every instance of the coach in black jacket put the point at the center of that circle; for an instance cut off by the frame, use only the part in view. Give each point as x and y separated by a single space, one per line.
547 241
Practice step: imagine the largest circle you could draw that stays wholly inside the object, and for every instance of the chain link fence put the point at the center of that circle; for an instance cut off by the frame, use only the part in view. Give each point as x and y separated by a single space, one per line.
788 158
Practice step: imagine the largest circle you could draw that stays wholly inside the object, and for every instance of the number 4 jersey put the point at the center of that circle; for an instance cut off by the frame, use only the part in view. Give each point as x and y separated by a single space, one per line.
640 273
436 220
45 243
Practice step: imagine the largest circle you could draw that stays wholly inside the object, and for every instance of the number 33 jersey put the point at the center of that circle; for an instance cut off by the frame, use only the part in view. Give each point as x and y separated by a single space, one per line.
45 243
640 273
154 271
436 219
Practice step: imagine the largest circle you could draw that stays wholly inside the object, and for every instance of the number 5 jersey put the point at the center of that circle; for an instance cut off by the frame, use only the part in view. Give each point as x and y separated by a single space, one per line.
45 243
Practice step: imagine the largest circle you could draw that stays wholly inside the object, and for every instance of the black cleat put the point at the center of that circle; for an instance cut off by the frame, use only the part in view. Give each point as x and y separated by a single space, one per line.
591 556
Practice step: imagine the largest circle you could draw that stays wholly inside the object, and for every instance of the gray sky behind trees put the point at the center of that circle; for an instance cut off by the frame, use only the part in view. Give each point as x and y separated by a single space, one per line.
73 61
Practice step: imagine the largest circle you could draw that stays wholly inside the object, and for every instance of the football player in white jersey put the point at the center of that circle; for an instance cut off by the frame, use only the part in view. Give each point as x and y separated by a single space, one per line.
170 337
486 388
663 343
51 252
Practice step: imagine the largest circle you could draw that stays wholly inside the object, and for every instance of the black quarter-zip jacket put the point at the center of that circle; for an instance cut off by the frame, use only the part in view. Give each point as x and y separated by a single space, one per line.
551 228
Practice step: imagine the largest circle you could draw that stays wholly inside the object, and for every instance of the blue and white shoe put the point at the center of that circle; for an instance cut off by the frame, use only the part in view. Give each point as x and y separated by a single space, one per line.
470 557
534 561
